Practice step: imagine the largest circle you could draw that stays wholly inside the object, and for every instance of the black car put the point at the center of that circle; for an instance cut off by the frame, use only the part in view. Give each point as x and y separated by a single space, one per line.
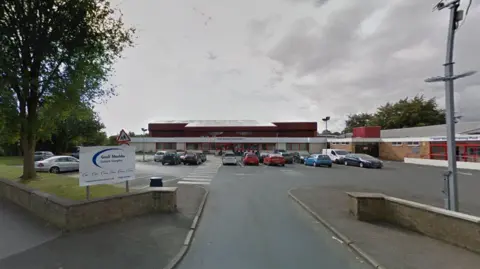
202 156
192 158
362 160
171 158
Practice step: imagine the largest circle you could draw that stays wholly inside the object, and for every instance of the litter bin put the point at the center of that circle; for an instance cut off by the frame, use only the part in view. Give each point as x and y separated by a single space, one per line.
156 182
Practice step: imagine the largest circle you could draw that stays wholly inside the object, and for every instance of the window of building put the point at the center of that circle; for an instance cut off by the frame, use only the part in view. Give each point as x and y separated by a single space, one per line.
193 146
166 146
413 143
297 146
397 144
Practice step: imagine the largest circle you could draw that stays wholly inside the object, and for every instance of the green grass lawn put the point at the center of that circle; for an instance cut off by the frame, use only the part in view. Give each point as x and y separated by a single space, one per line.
11 160
59 185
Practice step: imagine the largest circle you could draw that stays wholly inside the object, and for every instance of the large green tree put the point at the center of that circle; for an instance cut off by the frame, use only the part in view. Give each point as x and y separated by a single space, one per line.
81 127
408 112
55 53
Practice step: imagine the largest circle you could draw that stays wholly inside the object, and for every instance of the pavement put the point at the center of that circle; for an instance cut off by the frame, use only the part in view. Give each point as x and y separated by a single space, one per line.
390 246
149 241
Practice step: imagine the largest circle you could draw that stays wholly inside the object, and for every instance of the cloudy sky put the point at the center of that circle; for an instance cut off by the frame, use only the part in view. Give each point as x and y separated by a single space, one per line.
274 60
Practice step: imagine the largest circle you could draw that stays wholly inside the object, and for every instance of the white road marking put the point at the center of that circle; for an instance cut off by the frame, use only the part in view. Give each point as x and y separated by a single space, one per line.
193 182
197 179
466 174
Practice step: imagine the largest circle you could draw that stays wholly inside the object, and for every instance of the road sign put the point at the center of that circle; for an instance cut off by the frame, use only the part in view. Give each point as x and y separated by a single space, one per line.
123 137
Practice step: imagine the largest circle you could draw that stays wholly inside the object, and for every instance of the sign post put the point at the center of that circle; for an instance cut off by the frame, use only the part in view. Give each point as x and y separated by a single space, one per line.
124 139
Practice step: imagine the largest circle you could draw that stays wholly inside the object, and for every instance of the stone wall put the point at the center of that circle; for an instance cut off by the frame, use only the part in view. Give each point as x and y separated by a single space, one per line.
452 227
73 215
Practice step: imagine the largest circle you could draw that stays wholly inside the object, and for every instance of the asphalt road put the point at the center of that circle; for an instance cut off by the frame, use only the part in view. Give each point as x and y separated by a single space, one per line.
249 221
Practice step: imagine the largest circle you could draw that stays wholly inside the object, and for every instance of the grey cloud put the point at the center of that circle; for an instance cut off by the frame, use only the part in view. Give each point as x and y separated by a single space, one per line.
371 74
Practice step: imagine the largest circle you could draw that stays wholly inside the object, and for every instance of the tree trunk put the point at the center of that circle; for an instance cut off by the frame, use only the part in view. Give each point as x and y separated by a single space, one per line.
29 141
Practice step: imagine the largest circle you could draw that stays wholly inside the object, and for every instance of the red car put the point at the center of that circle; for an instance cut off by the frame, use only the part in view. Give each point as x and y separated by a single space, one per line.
251 159
274 159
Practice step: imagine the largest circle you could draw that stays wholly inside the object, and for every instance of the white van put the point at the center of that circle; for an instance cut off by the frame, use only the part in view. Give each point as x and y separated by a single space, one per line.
336 155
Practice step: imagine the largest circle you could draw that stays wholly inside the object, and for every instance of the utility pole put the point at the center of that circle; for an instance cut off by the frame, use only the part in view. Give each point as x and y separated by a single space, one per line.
451 184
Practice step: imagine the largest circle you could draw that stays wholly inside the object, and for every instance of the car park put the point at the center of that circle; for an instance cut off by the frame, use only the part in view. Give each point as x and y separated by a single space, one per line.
171 159
158 157
251 159
192 158
336 155
229 158
58 164
362 160
274 159
318 160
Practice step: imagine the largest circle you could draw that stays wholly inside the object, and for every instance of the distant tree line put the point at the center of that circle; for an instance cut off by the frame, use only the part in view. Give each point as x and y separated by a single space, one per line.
407 112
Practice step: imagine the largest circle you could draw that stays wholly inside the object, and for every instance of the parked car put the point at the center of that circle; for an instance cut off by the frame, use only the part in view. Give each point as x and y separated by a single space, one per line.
274 159
251 159
158 157
202 156
181 154
229 158
362 160
262 156
42 155
192 158
303 157
171 158
287 156
318 160
57 164
336 155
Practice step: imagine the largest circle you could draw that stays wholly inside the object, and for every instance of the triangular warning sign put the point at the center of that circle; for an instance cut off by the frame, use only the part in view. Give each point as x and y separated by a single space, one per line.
123 137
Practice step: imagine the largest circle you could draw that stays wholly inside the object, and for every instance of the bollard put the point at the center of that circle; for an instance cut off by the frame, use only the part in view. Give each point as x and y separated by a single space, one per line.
156 182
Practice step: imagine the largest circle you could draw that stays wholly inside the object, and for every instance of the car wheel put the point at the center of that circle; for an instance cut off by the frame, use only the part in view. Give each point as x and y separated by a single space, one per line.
361 165
163 163
346 163
55 170
329 166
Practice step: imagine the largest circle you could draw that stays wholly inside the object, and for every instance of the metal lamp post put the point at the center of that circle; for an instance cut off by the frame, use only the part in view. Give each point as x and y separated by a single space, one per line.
143 142
451 184
326 119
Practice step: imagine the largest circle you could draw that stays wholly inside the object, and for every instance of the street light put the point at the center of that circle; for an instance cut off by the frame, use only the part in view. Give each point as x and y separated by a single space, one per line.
451 184
143 142
326 119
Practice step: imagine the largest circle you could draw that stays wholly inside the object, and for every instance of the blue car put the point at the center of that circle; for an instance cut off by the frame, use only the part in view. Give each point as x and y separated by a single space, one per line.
318 160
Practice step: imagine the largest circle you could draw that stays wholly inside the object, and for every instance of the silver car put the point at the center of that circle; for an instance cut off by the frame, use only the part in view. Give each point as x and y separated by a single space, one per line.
58 164
158 157
42 155
229 158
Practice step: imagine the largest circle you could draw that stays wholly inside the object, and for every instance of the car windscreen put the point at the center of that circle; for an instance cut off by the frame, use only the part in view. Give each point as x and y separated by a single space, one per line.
366 157
251 156
342 152
159 153
286 154
229 155
323 157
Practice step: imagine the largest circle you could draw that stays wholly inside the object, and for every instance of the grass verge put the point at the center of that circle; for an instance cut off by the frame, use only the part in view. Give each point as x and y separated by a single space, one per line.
11 160
59 185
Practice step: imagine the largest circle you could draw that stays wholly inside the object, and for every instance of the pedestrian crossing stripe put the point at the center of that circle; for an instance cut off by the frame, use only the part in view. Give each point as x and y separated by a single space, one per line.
194 182
197 179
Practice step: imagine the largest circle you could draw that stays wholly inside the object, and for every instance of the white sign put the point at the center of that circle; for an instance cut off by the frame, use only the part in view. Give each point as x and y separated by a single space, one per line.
106 165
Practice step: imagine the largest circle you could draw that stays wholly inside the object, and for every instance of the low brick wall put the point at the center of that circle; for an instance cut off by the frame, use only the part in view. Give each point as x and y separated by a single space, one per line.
72 215
452 227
